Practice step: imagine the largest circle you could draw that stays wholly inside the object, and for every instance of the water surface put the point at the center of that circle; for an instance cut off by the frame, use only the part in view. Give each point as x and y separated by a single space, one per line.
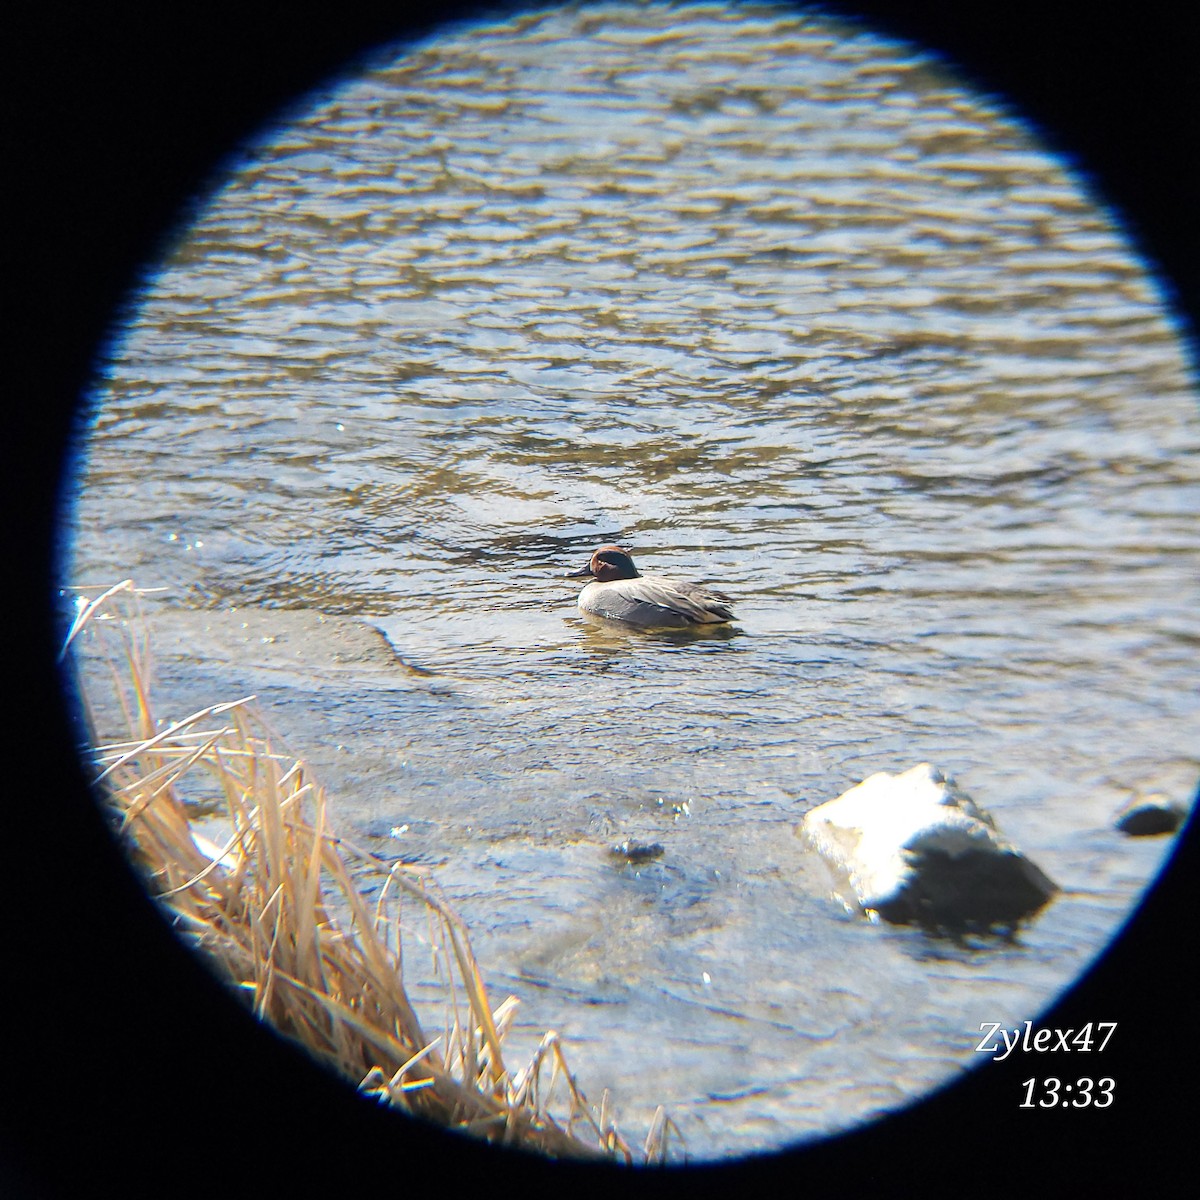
780 305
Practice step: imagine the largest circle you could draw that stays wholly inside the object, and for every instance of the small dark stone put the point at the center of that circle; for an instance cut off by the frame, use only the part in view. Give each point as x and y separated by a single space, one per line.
1150 816
636 852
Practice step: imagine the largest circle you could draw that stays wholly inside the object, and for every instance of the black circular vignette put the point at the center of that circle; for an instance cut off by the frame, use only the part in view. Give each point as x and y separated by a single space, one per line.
128 1064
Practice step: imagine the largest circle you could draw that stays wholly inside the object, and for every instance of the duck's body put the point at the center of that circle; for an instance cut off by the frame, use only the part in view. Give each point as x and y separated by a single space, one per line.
620 593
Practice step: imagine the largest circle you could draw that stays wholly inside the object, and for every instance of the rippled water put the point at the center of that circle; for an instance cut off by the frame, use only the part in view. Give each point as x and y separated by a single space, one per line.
782 306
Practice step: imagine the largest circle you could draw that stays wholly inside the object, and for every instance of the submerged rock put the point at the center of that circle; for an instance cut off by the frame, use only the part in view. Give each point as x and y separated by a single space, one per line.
637 852
916 850
1150 815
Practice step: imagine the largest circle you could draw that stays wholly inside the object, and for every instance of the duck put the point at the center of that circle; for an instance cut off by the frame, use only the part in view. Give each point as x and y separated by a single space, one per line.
620 592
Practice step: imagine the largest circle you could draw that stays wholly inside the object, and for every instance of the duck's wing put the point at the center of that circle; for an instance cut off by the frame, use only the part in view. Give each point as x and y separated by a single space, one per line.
638 610
681 604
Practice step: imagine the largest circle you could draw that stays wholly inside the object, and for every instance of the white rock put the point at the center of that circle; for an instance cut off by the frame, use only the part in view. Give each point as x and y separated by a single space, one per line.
914 849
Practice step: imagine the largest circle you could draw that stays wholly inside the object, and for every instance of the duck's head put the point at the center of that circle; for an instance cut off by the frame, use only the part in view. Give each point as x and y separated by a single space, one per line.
607 564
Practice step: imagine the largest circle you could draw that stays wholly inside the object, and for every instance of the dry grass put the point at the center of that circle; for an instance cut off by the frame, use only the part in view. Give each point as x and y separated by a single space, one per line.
261 910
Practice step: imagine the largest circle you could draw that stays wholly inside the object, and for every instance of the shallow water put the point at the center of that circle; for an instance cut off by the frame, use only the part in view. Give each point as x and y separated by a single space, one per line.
784 307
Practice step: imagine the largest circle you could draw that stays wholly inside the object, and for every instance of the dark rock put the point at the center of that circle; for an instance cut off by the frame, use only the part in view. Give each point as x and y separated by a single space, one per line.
1150 815
637 852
